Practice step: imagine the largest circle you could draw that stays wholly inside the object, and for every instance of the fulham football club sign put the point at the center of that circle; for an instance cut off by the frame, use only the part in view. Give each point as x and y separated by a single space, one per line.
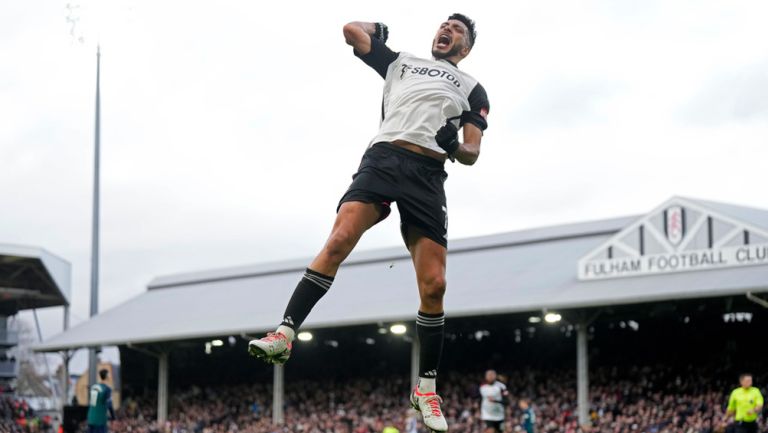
680 235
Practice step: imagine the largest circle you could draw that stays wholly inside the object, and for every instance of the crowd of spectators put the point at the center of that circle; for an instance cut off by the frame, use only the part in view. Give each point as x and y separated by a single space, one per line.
16 416
649 399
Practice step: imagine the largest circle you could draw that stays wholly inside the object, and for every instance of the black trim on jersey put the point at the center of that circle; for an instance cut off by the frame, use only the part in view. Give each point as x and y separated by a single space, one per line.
478 101
379 58
382 114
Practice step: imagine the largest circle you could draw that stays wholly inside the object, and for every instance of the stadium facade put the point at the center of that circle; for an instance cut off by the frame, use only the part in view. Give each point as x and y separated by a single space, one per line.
684 249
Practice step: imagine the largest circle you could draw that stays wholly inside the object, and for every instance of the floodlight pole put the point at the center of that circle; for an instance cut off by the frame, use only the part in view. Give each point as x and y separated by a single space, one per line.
92 360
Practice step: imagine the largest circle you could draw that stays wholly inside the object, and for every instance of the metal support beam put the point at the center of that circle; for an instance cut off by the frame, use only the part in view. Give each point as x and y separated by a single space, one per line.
9 293
51 383
162 378
757 300
278 418
415 349
162 387
66 356
582 372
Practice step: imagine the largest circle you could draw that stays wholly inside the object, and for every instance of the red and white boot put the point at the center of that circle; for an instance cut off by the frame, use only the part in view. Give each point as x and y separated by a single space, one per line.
275 348
428 403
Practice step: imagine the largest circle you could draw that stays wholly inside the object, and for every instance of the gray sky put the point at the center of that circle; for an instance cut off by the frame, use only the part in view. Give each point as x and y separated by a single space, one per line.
231 129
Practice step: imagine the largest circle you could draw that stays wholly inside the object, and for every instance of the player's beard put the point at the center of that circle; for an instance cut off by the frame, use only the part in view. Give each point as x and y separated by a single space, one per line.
454 51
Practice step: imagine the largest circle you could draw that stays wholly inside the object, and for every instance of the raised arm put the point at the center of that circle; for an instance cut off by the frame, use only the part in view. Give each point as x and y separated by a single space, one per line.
358 36
368 41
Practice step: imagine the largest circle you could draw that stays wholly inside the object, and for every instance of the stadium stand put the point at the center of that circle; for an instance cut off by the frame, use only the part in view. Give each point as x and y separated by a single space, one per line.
654 399
17 416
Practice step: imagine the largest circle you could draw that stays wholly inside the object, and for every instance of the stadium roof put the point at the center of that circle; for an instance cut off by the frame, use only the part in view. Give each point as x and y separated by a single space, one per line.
511 272
31 277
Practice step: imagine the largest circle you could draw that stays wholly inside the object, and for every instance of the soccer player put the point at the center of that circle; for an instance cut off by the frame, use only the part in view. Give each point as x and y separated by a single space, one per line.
529 416
745 405
99 403
425 103
495 400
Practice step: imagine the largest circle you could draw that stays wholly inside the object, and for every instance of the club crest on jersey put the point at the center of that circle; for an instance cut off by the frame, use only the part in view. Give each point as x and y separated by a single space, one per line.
405 68
429 72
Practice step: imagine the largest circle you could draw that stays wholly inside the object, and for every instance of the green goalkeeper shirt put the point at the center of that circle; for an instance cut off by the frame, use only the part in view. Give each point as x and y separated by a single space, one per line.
99 403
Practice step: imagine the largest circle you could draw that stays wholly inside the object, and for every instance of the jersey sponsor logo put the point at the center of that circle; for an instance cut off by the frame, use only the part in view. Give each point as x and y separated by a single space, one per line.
405 68
429 72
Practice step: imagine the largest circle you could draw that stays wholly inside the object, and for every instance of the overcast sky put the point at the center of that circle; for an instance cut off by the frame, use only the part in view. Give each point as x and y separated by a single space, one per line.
231 129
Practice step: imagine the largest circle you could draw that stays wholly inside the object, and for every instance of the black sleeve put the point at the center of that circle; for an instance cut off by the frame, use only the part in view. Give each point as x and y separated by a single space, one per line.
478 108
110 408
379 58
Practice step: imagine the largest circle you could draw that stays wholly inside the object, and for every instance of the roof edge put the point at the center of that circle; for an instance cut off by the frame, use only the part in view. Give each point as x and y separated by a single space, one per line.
519 237
638 300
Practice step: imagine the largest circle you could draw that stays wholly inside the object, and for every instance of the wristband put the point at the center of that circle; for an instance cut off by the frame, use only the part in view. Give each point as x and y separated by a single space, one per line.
382 32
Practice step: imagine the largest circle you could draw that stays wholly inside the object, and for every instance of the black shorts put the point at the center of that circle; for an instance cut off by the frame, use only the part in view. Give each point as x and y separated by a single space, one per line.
745 427
390 173
495 425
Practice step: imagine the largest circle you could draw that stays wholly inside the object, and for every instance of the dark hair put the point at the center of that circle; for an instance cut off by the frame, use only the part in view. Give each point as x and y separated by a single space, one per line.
470 26
743 375
103 374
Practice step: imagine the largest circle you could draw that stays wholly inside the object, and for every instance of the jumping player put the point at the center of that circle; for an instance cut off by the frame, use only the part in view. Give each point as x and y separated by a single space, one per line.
495 399
425 103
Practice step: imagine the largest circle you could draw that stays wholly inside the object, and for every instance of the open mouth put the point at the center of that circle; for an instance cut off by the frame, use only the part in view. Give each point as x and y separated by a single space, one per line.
443 40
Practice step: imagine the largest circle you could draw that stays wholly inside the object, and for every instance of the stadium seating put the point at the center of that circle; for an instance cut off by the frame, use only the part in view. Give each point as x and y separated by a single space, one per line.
654 399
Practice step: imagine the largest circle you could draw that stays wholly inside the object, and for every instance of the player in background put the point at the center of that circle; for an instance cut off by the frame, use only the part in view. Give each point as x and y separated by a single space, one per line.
100 404
745 404
425 103
495 399
528 419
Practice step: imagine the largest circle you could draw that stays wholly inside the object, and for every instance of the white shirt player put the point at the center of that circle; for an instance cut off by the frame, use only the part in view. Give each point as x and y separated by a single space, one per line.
421 94
492 410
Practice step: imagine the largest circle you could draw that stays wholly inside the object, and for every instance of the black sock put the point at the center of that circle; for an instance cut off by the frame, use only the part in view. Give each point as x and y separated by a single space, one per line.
430 329
311 288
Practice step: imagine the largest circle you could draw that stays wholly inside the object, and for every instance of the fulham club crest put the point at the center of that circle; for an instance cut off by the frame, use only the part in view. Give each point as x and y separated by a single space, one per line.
674 224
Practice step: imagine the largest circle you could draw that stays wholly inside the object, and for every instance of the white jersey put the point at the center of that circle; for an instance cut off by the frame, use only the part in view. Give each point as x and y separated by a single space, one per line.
420 95
492 410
